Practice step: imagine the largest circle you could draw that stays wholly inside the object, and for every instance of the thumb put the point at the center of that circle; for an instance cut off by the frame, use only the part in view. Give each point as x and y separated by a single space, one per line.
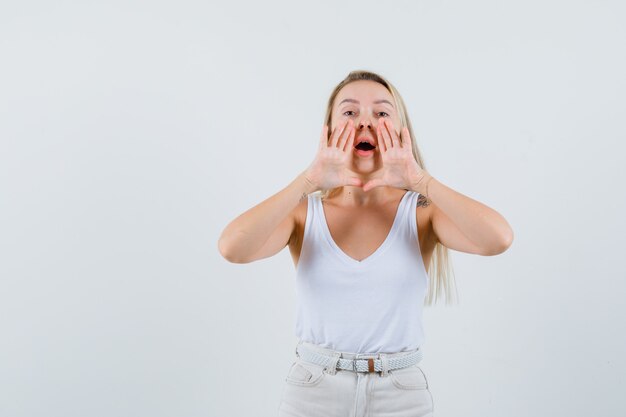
353 178
372 184
355 182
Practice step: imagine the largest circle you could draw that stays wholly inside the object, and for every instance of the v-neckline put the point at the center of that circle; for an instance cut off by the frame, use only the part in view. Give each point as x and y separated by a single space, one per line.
378 251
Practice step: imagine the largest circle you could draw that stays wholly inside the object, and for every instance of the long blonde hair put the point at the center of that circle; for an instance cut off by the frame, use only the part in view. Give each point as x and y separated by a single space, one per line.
439 267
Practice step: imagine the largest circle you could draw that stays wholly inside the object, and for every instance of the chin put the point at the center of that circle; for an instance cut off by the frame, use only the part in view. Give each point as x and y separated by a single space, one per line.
365 168
370 162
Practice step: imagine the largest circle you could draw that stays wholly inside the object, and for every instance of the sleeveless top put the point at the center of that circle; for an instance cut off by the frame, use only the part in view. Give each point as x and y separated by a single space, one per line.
369 306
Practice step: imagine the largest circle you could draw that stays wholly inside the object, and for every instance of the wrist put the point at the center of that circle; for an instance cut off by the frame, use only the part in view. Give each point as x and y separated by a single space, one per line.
308 184
420 184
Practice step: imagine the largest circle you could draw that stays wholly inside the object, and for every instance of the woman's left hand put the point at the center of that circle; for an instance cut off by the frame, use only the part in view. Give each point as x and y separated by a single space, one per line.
400 169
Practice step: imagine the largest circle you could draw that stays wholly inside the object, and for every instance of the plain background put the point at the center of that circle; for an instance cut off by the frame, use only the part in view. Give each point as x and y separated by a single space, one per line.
133 132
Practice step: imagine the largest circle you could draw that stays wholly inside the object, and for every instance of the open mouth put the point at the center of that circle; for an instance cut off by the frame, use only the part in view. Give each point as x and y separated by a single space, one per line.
364 146
364 149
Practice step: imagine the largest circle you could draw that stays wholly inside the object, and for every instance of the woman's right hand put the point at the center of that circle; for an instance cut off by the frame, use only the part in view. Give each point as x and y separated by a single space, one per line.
331 166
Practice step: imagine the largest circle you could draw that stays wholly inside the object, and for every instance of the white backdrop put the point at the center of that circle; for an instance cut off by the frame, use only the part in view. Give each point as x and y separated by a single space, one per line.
133 132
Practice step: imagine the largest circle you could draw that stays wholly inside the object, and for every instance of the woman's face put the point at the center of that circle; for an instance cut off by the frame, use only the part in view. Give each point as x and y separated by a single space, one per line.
365 102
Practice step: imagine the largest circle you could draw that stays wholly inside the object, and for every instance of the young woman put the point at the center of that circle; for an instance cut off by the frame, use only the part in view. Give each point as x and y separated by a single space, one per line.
363 222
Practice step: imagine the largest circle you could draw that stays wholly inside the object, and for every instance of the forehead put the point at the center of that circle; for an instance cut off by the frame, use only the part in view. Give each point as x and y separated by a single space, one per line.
365 91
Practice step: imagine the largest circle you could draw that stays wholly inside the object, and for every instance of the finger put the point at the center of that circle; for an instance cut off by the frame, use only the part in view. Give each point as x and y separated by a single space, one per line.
356 182
381 141
347 131
372 184
393 136
337 133
347 142
406 137
324 136
332 135
354 178
384 134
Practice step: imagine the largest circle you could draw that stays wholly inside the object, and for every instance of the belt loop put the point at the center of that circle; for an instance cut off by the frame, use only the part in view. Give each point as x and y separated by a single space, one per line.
331 368
385 364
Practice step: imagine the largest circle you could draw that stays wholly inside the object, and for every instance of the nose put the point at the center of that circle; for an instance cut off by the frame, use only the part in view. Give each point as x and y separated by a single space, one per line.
363 123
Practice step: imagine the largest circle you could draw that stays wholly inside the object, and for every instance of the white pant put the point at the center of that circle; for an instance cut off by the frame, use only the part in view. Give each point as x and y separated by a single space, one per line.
311 390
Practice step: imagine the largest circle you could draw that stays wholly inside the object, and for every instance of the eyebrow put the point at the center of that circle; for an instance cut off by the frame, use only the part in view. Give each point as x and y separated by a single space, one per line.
351 100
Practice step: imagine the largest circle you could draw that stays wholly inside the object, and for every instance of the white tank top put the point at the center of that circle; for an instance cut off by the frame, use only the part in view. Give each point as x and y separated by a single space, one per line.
369 306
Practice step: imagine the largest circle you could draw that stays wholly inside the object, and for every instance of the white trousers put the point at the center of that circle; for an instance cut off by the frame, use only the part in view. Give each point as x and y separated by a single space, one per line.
311 390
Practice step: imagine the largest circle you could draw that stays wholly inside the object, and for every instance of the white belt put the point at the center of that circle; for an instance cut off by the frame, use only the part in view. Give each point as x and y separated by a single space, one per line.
371 364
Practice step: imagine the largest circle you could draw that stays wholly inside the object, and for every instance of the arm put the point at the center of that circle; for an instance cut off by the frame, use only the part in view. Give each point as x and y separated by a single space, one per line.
266 228
464 224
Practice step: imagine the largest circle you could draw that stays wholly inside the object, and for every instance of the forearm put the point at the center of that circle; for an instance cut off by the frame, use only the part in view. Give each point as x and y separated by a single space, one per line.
479 223
247 233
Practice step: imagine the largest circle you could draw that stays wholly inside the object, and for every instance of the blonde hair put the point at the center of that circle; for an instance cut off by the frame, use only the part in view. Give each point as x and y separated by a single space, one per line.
439 267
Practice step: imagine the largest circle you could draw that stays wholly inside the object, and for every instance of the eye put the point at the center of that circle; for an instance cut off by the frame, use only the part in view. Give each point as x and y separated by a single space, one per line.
384 113
349 111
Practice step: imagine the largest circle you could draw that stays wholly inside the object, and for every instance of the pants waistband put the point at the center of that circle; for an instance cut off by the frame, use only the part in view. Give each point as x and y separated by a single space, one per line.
350 355
357 362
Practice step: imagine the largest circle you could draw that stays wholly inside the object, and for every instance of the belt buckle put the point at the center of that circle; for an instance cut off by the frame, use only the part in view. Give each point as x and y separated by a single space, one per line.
370 363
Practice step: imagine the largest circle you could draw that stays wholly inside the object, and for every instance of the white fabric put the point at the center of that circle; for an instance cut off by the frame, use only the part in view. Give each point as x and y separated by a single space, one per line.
369 306
358 365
